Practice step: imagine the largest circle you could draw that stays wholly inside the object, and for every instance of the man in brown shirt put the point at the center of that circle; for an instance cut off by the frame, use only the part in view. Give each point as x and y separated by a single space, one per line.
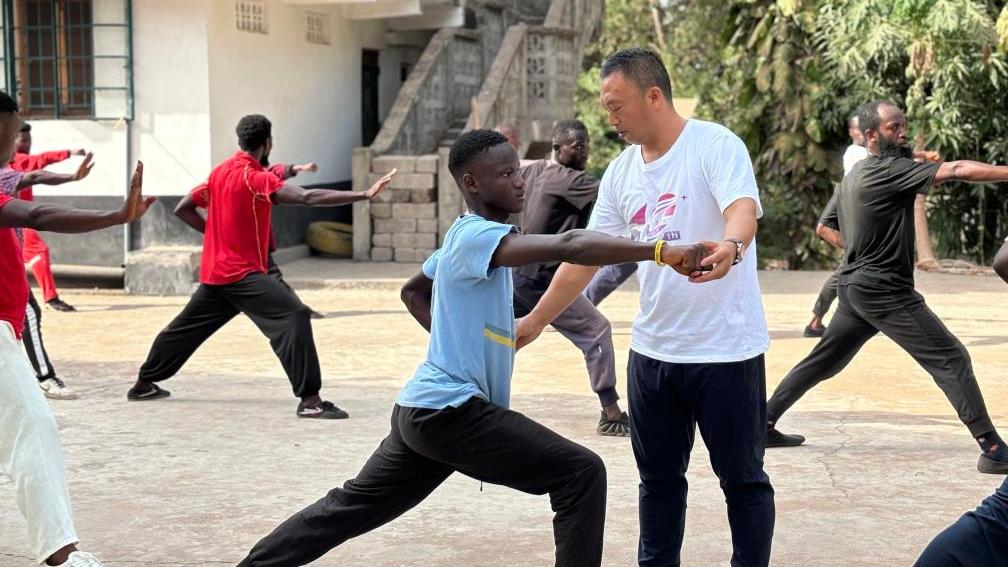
559 195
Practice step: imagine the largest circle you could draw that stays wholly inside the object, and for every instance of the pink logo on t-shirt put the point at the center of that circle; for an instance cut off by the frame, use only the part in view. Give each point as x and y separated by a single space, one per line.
665 205
637 222
660 218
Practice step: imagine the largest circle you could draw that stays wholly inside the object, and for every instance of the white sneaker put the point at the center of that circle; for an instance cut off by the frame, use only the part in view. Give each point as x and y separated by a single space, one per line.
81 559
54 388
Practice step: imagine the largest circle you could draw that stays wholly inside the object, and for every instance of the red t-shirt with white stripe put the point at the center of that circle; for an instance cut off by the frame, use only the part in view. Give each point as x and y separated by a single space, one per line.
236 242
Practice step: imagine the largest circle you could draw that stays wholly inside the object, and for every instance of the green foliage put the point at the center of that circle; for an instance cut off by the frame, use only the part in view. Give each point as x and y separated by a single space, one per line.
771 93
784 75
629 23
623 19
940 59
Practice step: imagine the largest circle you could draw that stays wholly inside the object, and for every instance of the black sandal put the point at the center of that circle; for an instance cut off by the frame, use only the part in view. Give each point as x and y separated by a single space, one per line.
614 427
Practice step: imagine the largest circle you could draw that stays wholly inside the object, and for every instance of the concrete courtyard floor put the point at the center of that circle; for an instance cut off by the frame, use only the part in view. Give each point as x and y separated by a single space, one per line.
197 479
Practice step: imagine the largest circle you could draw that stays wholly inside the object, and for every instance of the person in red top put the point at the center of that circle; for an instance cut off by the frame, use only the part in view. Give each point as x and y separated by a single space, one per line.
30 451
11 184
199 198
233 274
36 253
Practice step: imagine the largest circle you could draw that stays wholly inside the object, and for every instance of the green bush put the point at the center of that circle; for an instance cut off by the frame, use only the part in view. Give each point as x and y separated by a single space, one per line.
784 75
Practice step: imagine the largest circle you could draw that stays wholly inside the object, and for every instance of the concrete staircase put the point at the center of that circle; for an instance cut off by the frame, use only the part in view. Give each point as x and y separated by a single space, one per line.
516 61
454 130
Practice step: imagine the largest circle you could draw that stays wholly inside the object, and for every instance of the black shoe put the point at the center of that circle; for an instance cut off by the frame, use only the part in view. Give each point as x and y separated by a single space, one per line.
614 427
60 305
325 410
988 465
775 438
812 332
315 314
154 393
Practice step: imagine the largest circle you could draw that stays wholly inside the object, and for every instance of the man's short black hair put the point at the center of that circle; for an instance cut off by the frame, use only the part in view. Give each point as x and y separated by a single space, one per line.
253 131
644 68
868 115
470 145
7 103
564 128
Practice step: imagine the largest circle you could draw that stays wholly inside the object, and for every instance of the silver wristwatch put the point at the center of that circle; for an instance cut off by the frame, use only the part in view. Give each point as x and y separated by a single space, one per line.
739 246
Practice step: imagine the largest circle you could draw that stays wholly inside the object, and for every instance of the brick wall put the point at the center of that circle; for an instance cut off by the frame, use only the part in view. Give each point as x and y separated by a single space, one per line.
404 219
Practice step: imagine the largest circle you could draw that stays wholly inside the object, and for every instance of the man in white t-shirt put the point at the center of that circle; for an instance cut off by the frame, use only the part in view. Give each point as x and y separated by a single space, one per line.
856 151
697 348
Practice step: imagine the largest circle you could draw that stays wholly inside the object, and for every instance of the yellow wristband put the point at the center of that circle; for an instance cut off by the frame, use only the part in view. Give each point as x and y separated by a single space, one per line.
657 252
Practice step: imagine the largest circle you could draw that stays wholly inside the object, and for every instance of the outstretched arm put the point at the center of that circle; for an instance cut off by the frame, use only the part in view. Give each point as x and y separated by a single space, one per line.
582 251
56 218
186 210
970 171
38 161
588 248
43 177
416 294
294 195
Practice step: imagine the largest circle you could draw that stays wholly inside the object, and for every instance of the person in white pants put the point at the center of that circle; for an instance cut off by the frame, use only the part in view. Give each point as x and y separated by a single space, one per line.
30 451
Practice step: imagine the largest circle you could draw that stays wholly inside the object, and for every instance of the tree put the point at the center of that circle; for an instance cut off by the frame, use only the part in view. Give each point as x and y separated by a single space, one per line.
623 19
940 59
773 92
672 28
784 75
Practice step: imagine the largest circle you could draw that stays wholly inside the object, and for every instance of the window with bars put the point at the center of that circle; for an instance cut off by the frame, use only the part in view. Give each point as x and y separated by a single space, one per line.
317 28
68 58
250 16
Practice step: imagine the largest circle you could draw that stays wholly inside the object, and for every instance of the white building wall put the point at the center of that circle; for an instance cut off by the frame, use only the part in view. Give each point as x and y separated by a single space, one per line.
310 92
195 75
171 129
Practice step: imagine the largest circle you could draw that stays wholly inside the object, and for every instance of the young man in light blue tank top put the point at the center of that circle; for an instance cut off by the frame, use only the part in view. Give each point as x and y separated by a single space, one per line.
453 414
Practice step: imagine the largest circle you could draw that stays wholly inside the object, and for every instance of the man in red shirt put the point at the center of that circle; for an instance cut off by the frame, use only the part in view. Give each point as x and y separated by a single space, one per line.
36 253
199 198
233 274
30 451
12 184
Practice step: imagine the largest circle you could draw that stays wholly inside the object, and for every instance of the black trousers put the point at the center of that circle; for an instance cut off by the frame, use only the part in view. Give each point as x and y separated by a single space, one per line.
270 304
32 338
827 295
273 271
607 280
727 401
477 439
906 319
978 539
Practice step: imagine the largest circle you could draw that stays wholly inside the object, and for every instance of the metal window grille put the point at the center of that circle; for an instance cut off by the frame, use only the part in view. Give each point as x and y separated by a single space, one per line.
250 16
317 28
69 58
